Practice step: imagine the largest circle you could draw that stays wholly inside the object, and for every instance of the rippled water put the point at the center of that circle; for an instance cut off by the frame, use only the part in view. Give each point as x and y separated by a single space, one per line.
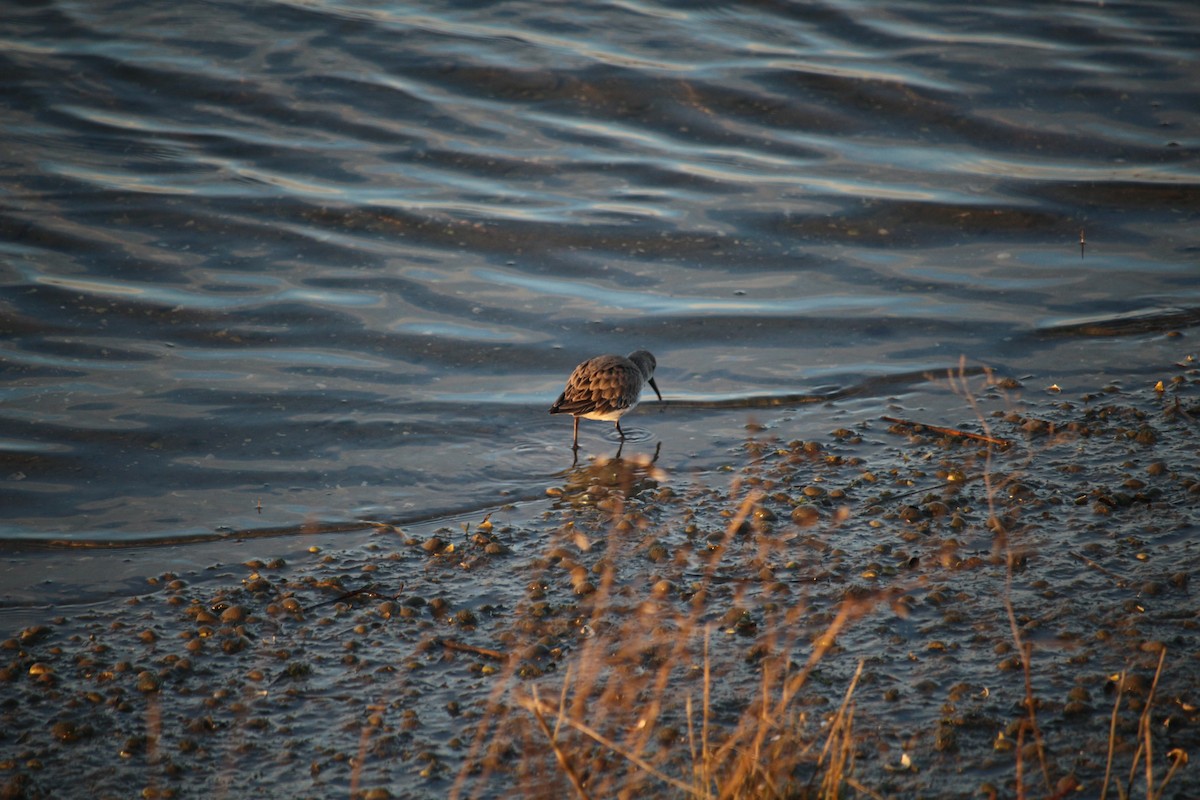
276 265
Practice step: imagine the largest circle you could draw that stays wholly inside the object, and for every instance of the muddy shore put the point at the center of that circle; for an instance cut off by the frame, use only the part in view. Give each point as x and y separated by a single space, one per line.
1003 602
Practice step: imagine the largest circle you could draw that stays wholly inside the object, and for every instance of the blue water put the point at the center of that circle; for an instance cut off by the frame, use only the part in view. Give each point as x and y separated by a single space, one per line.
266 266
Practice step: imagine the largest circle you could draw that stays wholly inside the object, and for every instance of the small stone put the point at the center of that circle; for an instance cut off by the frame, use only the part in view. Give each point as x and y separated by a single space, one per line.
805 516
65 731
148 682
33 634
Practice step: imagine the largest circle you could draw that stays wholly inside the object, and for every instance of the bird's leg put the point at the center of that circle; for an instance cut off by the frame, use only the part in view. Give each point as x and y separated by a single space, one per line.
575 439
620 432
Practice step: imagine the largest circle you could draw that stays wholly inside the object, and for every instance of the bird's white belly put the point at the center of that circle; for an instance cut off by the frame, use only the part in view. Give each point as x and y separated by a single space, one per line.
609 416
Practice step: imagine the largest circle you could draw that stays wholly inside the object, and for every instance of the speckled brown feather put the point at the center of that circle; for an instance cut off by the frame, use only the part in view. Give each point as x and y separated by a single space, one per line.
605 387
600 385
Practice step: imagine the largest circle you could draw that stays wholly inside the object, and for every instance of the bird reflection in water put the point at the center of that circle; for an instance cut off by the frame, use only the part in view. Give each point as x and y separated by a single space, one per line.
606 482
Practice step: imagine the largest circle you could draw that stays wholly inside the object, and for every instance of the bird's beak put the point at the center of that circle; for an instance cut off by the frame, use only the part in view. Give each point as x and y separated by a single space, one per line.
654 386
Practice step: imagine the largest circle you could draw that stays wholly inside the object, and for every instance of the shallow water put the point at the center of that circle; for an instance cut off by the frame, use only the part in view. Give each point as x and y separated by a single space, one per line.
290 265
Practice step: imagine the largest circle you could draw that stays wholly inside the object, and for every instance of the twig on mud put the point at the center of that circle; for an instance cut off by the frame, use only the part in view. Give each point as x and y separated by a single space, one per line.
1121 581
369 590
891 498
978 437
462 647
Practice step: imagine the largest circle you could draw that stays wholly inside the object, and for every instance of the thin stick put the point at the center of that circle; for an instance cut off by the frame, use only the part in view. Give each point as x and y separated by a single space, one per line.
460 647
1121 582
370 590
978 437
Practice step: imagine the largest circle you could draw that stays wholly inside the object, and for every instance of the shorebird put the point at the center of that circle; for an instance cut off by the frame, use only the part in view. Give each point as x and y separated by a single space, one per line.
607 388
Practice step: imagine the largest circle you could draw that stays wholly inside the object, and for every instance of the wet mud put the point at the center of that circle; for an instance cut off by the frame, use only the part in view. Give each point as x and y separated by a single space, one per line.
1000 604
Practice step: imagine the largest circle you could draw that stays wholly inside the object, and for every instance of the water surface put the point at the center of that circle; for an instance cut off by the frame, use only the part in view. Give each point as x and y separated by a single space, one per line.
275 265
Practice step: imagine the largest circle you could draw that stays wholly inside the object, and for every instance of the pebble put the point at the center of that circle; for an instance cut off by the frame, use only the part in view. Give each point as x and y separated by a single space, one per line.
805 516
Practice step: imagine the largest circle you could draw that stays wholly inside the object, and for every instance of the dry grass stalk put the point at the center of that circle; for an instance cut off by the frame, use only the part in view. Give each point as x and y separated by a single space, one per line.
749 758
959 384
839 745
537 708
364 741
701 774
621 685
1179 758
534 706
607 689
1143 756
1112 736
